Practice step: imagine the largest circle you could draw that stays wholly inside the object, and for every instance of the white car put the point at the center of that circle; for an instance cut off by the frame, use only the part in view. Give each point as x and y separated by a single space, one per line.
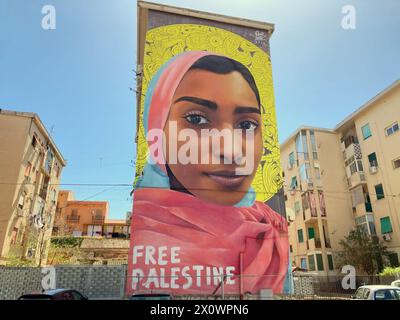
377 292
395 283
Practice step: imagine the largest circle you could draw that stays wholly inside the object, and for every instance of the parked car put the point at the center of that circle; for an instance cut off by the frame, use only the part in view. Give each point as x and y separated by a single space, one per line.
395 283
377 292
56 294
151 296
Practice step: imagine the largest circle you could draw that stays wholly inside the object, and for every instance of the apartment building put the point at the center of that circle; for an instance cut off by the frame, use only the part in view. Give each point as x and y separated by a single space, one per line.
30 172
338 178
87 218
316 198
370 143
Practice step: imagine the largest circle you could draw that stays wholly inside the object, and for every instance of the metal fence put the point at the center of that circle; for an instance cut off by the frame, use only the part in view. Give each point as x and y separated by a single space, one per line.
109 282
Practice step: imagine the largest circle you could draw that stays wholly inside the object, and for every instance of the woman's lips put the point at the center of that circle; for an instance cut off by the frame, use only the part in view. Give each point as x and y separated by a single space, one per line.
227 179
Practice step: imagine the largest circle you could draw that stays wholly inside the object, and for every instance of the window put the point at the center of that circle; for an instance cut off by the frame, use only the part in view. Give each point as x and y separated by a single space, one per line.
290 248
388 294
34 141
313 145
366 294
392 129
311 263
14 236
366 131
49 161
379 192
305 172
330 262
396 163
320 262
359 293
317 173
373 162
293 183
303 263
297 207
292 160
28 169
304 201
311 233
300 235
21 201
366 222
301 144
386 226
99 214
58 171
45 187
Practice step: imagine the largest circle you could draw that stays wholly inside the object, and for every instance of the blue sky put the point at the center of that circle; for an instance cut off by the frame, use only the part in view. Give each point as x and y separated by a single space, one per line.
77 77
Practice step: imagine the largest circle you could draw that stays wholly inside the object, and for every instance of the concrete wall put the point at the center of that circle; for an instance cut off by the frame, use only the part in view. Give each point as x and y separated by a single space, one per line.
96 282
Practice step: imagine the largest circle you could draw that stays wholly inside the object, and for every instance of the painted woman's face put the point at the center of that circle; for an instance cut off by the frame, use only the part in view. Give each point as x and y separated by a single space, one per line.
206 100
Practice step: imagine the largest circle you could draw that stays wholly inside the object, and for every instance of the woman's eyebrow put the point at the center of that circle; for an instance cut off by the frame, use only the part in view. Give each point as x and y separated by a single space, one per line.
203 102
240 110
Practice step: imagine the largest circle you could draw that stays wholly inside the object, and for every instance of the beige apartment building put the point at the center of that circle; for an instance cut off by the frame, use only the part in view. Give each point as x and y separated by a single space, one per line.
30 172
338 178
87 218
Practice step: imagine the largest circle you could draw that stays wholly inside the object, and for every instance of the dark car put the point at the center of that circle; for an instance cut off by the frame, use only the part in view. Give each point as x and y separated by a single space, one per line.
151 296
56 294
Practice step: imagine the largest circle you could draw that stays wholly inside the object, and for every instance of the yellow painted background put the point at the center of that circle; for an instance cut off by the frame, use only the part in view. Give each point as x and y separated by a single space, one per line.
165 42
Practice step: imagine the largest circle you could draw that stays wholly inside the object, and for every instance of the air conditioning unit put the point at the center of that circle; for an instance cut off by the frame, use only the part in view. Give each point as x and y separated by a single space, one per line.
290 166
310 183
386 237
373 169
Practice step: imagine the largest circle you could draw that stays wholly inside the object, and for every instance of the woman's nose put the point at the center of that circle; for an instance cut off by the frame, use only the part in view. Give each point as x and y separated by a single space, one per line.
230 149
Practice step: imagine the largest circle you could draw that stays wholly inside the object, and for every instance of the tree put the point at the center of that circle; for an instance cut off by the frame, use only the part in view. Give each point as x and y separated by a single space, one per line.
366 253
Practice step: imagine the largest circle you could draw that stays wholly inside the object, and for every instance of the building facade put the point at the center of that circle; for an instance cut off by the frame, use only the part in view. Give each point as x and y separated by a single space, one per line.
317 204
87 218
30 173
338 178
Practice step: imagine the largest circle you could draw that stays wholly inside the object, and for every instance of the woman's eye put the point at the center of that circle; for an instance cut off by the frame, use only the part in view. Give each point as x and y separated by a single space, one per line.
248 125
196 119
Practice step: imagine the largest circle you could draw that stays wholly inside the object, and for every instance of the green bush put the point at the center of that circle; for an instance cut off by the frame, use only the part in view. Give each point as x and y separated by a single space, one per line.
66 242
390 271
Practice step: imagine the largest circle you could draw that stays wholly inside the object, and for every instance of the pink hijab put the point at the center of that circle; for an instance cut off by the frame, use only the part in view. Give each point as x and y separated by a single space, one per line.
251 242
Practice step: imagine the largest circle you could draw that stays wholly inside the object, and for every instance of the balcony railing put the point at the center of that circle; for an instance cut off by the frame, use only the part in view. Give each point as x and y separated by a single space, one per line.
328 243
98 219
310 214
356 179
314 243
73 219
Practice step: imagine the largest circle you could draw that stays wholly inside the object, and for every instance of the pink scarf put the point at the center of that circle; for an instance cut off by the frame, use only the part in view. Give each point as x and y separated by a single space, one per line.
253 240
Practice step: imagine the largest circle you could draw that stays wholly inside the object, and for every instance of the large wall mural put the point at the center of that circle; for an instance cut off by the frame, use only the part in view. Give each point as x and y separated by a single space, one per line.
207 163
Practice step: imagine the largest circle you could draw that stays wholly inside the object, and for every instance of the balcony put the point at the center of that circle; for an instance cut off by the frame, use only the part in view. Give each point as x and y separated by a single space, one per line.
98 219
328 243
362 209
314 244
309 215
353 149
73 219
356 179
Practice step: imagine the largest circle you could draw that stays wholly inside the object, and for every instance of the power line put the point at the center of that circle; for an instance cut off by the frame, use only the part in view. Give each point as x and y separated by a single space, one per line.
196 189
